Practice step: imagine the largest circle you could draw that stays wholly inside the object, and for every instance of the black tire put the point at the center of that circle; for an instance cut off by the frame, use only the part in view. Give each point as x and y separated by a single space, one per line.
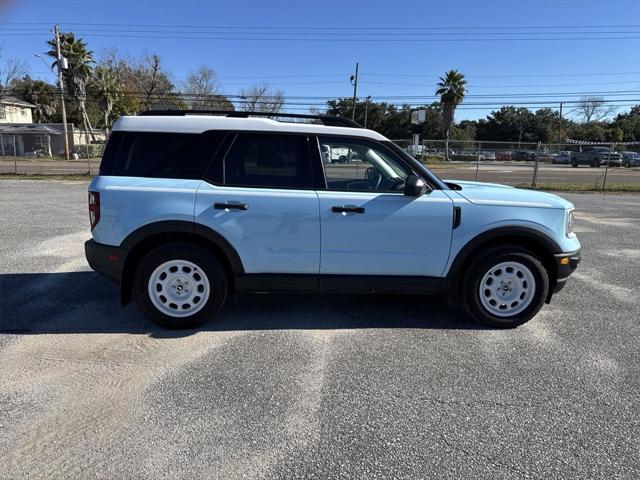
480 266
574 164
203 259
627 165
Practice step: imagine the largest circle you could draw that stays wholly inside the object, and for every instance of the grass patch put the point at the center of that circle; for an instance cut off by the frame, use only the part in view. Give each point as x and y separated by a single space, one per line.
44 176
585 187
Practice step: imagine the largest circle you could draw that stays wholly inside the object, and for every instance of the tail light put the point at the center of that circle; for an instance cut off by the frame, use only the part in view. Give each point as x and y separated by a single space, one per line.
94 209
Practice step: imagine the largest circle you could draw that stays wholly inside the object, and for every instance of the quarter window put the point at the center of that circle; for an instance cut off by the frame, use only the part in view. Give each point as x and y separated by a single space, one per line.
361 165
270 161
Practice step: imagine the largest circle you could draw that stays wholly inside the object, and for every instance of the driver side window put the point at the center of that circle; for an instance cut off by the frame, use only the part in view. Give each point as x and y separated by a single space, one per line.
361 166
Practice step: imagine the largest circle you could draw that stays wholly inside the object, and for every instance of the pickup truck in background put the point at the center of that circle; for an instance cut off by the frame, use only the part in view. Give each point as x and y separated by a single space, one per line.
595 157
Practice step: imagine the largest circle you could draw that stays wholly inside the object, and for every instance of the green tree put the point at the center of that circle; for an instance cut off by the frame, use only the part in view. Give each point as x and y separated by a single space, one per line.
629 123
41 94
451 89
79 72
389 120
106 89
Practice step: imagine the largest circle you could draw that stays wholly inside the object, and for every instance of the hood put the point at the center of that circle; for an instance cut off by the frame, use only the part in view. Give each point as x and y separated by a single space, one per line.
504 195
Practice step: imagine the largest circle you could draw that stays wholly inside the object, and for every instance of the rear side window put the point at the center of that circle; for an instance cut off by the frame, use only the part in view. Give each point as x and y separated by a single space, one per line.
268 160
160 154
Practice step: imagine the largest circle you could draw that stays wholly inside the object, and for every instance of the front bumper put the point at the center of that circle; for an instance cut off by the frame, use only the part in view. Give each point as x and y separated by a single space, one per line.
566 263
107 260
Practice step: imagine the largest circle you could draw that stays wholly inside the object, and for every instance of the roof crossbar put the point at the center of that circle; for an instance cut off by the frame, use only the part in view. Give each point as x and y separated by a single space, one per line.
327 120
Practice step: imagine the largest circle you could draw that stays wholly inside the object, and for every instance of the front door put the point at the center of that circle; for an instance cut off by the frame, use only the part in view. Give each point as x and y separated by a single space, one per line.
368 226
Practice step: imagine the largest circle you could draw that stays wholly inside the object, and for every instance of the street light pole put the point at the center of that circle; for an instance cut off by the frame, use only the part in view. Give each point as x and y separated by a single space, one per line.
354 81
61 87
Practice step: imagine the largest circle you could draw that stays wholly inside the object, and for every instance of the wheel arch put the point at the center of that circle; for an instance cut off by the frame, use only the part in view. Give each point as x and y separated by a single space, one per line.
153 235
540 244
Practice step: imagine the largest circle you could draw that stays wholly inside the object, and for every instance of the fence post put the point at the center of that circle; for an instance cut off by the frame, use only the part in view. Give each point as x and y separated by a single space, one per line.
606 168
15 155
478 159
534 181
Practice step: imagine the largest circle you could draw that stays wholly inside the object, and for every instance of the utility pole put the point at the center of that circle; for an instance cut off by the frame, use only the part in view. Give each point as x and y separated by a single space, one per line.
354 82
366 107
560 128
61 65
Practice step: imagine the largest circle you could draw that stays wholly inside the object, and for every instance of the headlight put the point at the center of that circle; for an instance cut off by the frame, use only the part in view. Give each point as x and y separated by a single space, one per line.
569 226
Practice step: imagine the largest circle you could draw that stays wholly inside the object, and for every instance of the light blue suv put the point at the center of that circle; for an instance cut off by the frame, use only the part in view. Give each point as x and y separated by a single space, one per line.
190 207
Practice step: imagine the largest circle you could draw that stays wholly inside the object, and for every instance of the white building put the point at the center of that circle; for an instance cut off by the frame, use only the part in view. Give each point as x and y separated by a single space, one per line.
13 110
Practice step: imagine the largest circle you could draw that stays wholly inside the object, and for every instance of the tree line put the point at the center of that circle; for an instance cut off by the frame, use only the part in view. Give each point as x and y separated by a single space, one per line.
99 90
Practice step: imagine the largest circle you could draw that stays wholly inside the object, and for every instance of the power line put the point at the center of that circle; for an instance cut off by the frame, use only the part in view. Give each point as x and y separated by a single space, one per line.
178 36
348 28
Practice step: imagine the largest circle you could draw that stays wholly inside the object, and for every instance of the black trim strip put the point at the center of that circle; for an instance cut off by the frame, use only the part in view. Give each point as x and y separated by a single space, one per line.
351 284
457 217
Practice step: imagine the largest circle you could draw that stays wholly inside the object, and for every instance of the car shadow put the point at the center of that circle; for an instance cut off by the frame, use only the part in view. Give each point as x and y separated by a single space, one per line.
84 302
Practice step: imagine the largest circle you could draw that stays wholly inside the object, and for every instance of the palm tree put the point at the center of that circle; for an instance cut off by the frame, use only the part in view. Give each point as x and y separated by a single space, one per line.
78 74
106 85
452 89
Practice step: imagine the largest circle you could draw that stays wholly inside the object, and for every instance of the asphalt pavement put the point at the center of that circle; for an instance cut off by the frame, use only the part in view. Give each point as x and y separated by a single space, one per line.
293 386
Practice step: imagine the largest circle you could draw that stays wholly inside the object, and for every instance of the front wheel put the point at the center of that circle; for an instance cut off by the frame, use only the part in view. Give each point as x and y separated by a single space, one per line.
180 285
505 287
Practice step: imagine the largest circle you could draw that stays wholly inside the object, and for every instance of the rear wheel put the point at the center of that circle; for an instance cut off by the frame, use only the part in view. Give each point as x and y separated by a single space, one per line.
574 164
505 287
180 285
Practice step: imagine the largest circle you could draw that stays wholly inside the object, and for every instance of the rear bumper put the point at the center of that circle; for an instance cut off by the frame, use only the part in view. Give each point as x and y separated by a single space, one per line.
107 260
566 264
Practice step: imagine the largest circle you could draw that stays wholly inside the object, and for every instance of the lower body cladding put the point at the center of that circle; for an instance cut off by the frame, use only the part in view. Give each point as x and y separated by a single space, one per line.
109 261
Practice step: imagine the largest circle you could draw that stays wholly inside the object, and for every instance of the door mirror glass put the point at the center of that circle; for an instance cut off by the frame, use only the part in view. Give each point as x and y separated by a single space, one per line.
415 186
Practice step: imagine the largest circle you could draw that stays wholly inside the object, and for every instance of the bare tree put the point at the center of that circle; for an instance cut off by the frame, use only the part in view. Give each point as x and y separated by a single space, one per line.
593 109
11 69
201 91
259 99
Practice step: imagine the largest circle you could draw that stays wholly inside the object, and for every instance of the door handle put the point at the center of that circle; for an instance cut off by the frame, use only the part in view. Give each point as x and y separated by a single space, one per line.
347 209
231 206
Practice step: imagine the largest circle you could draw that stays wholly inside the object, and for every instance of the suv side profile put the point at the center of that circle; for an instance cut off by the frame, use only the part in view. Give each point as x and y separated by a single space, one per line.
190 207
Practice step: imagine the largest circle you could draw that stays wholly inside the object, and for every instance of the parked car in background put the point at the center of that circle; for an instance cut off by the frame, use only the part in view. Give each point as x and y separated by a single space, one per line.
630 159
486 155
596 156
529 155
503 155
563 158
326 153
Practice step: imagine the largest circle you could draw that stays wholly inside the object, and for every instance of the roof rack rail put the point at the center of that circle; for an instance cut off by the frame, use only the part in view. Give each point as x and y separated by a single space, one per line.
326 120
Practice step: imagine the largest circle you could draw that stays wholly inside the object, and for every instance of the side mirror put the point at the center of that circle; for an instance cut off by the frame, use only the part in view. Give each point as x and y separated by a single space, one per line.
415 186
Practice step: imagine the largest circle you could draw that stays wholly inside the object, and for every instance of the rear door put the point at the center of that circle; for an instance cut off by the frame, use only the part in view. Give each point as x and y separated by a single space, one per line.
261 198
369 227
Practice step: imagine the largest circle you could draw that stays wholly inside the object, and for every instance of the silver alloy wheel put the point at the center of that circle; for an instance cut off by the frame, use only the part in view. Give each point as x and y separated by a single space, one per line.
507 289
179 288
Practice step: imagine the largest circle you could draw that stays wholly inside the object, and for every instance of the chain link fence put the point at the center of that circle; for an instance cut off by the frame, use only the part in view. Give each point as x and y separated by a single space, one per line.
583 165
40 149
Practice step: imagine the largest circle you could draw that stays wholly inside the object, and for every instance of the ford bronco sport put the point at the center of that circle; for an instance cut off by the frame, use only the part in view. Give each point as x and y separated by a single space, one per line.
190 207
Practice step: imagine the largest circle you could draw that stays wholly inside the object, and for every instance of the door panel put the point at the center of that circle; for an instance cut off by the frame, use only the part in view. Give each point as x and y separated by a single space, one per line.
278 232
369 233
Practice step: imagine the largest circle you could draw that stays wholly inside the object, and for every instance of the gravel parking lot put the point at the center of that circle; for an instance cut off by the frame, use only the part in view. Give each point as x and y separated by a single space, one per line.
288 386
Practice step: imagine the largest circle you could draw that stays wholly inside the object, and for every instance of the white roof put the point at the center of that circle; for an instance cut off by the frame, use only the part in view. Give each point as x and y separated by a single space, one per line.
201 123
